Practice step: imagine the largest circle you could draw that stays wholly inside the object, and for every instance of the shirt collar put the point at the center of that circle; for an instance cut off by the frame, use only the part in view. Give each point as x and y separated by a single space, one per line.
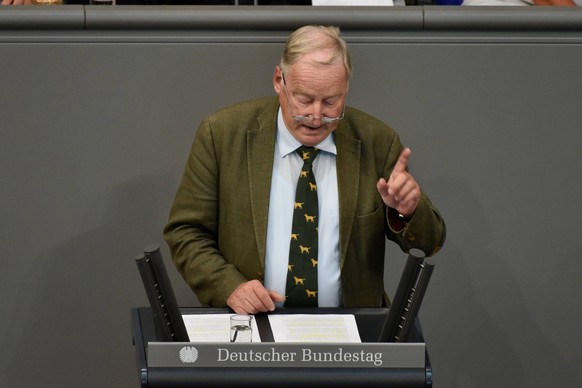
288 144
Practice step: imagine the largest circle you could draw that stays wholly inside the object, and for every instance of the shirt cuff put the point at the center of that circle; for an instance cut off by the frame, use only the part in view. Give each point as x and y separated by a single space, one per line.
396 221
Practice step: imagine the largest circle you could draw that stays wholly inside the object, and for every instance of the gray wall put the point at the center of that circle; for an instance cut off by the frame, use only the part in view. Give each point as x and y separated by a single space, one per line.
98 109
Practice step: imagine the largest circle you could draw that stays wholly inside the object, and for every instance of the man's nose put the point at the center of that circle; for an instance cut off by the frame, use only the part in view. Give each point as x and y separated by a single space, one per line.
317 111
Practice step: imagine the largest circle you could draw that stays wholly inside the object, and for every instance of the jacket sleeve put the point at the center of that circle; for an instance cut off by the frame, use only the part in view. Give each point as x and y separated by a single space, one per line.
426 229
192 229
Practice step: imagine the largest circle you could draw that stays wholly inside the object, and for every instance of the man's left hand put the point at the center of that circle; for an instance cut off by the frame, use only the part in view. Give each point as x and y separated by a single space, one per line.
400 192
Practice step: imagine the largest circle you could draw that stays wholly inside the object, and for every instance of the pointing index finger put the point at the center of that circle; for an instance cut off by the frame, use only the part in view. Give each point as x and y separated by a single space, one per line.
402 162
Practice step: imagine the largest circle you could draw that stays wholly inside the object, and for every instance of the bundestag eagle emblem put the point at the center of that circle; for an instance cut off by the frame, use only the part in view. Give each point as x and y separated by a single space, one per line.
188 354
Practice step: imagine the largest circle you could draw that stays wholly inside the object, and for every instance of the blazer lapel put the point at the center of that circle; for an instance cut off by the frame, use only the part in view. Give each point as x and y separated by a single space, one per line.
260 151
348 177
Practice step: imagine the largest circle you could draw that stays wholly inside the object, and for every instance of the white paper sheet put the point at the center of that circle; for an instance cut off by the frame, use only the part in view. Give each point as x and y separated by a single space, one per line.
314 328
352 2
212 327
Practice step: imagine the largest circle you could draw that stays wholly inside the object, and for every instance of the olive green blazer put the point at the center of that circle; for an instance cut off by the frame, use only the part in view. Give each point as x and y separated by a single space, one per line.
218 223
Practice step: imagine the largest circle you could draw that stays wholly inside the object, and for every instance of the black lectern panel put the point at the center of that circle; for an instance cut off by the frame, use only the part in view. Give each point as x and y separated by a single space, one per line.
167 318
270 378
408 298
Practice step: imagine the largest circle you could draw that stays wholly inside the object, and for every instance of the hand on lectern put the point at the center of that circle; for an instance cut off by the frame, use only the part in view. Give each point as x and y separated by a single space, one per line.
252 297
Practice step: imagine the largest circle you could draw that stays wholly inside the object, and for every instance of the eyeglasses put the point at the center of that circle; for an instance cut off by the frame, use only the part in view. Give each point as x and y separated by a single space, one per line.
301 119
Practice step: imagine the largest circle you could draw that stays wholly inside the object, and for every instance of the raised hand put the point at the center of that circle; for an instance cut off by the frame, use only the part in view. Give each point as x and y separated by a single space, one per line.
400 192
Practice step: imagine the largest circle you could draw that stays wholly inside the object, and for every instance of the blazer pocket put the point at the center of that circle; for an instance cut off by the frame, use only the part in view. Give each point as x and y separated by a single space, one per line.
369 235
376 218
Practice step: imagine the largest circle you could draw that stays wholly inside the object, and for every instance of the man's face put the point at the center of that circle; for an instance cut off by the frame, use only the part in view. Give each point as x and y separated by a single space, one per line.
314 91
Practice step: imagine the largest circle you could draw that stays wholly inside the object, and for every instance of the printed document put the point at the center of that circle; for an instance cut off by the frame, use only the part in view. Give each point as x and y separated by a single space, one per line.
285 327
314 328
212 327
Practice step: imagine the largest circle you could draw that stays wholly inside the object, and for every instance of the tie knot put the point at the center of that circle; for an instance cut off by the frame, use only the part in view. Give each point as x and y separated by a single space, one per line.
307 154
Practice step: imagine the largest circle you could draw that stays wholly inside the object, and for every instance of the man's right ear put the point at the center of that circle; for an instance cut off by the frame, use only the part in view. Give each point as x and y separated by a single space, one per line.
278 79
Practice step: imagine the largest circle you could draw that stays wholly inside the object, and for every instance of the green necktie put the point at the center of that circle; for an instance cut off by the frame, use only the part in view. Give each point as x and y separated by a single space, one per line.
302 269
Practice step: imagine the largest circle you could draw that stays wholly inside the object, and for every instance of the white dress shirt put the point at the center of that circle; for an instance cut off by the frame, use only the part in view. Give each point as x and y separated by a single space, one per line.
286 167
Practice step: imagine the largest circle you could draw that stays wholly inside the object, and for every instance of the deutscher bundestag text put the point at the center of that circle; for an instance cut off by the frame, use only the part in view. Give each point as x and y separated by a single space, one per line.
306 355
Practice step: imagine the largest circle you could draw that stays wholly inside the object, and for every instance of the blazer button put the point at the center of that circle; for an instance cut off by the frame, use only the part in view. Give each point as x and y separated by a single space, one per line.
410 237
260 276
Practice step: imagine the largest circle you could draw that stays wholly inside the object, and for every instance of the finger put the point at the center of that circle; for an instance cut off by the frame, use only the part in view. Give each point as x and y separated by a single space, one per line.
384 191
264 303
405 197
396 184
240 300
408 199
402 162
276 297
407 191
261 297
382 187
241 306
